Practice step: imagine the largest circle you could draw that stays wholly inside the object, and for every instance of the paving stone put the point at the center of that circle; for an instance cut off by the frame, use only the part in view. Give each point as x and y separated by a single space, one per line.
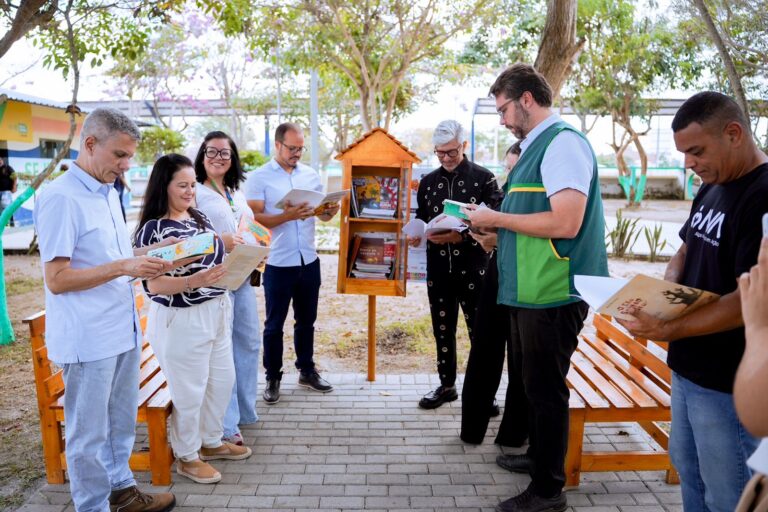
367 446
206 500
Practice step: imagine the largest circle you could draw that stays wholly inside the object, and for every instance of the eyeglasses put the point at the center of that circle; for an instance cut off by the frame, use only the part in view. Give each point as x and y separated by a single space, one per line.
503 109
295 149
451 153
211 152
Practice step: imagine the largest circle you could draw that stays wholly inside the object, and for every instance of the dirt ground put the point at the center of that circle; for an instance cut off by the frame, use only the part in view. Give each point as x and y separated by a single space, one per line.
405 345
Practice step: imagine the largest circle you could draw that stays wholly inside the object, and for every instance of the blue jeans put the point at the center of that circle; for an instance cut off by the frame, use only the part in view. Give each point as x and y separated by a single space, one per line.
300 284
246 345
709 447
100 412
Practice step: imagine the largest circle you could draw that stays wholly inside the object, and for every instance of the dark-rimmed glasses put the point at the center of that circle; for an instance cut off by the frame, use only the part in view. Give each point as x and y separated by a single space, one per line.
451 153
295 149
211 152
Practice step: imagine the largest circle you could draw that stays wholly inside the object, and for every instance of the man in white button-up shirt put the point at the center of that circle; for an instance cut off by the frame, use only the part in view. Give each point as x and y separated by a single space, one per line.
293 268
92 330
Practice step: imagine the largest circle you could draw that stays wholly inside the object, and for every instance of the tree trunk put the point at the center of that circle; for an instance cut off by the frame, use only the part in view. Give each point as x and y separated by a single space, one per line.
30 14
559 46
730 67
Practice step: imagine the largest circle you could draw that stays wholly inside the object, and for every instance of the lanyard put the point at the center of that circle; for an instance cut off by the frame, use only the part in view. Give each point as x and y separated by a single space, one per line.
225 194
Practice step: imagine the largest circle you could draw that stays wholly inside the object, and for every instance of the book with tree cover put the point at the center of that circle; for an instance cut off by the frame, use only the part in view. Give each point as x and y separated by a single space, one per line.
623 297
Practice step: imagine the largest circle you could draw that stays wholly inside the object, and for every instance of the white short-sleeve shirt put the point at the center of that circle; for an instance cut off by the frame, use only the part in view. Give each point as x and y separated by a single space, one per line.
218 210
568 161
79 218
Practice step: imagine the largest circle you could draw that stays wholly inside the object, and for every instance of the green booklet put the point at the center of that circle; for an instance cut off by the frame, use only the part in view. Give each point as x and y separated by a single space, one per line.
453 208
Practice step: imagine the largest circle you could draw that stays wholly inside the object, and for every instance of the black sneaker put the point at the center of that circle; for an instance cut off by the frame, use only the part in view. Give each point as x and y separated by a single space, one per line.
438 397
272 393
314 381
527 501
514 463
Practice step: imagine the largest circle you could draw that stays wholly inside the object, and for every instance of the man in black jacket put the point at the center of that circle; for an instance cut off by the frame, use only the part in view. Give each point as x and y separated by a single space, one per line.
455 262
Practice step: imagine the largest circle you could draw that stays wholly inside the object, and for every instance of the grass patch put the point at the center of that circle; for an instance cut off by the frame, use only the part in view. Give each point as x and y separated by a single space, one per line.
23 285
21 458
412 338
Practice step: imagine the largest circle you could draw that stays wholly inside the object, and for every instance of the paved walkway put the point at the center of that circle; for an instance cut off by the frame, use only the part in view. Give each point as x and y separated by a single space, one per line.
367 446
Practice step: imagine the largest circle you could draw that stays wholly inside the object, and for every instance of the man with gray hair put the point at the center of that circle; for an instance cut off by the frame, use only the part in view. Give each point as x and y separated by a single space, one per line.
455 262
92 328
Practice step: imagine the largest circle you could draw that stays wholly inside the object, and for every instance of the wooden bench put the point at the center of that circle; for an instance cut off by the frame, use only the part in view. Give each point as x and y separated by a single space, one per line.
154 407
616 378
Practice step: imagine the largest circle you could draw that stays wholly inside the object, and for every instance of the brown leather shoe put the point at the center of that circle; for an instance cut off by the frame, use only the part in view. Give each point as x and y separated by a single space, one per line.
227 451
198 471
131 499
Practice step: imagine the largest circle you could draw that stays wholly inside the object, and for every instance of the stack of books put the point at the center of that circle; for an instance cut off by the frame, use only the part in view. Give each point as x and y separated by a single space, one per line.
372 255
374 197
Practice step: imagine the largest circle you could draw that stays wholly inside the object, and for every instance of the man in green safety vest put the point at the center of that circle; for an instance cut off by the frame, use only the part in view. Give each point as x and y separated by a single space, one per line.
550 228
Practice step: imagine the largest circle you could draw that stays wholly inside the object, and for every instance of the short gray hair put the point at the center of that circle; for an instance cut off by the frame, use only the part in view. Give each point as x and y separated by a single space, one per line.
447 131
103 123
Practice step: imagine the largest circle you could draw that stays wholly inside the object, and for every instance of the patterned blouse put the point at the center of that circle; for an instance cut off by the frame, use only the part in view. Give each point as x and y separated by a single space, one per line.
159 229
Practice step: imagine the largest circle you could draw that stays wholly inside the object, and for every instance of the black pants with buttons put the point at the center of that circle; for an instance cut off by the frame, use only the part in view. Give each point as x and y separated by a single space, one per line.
447 291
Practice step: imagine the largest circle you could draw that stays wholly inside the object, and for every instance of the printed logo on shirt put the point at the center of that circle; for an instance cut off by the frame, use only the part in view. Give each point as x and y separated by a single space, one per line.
708 226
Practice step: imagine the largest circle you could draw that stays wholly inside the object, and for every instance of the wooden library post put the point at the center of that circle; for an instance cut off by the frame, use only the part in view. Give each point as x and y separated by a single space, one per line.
372 249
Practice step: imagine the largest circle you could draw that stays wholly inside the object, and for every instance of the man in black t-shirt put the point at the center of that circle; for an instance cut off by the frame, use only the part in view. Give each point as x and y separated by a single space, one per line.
721 239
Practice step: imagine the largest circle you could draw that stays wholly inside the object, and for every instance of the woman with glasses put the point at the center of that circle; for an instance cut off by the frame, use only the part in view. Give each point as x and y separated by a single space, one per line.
218 170
188 323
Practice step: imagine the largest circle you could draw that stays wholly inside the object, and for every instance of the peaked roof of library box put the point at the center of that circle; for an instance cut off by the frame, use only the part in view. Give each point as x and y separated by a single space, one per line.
373 132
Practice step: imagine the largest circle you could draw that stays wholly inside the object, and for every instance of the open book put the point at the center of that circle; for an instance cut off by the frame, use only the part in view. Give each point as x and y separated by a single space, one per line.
442 223
316 200
621 297
239 263
197 245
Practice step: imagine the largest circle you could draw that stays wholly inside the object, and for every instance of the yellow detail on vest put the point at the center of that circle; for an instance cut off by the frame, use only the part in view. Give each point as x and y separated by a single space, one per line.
526 189
554 251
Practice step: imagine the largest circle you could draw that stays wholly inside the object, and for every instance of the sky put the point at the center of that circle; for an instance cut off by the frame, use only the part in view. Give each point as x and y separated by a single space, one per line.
450 102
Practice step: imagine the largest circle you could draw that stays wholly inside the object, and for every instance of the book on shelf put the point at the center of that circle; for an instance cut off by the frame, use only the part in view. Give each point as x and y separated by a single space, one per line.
623 297
372 255
197 245
375 196
317 200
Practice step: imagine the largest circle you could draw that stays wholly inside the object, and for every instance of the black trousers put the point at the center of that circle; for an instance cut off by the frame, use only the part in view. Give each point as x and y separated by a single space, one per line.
542 342
447 291
484 368
283 285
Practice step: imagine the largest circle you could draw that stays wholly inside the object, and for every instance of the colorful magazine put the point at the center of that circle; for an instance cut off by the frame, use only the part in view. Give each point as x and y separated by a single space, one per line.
197 245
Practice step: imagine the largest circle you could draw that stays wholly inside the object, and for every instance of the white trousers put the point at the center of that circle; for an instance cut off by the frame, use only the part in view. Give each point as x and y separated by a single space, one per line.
194 348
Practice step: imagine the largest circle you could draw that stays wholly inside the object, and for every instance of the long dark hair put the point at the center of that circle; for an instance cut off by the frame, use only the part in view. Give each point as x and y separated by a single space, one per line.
155 203
234 176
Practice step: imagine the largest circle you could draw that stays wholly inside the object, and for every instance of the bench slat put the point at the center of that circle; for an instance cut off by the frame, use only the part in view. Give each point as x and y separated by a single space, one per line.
149 388
603 386
585 391
642 354
649 385
627 386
